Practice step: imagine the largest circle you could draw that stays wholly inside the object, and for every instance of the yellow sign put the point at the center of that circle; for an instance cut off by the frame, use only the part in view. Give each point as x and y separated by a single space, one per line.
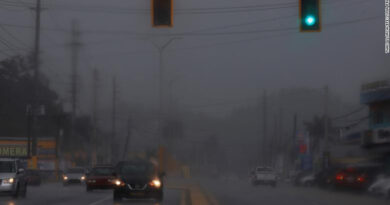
13 151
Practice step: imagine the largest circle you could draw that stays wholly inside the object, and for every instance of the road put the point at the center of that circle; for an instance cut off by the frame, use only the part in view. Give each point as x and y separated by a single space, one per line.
56 194
240 192
225 192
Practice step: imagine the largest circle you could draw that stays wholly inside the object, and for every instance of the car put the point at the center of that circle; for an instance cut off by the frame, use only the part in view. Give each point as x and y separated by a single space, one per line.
308 180
33 177
304 178
355 177
100 177
138 179
381 186
73 176
12 177
264 175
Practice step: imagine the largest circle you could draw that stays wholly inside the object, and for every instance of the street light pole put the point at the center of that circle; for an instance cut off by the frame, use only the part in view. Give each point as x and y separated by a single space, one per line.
161 50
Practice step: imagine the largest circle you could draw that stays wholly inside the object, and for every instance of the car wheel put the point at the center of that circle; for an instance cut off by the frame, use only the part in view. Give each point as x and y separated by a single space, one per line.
160 197
16 193
117 196
24 193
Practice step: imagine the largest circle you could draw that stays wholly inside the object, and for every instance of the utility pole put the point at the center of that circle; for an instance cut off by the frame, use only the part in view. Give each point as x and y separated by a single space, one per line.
265 150
326 129
95 85
293 144
129 126
161 76
274 141
32 137
260 146
113 120
75 47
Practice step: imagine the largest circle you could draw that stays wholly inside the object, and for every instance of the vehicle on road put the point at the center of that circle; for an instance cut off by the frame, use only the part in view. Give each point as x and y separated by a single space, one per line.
12 178
381 186
73 176
304 178
355 177
264 175
100 177
138 179
33 177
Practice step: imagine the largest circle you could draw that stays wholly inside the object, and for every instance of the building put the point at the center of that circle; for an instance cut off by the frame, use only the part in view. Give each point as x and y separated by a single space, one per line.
376 95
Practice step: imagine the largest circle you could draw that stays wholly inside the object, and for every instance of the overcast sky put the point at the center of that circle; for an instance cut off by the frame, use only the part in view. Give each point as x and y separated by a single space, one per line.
223 55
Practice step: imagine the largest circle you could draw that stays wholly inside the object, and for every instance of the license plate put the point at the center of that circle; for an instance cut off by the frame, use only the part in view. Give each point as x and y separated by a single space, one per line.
350 179
137 194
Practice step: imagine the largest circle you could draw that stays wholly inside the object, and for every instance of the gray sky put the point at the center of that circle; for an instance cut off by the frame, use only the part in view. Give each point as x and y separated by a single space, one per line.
222 56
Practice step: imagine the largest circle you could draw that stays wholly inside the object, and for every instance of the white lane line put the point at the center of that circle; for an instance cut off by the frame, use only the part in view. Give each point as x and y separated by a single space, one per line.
101 200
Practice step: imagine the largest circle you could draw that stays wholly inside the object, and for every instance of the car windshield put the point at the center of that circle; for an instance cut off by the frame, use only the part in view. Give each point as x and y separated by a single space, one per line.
136 169
102 171
75 171
264 169
7 167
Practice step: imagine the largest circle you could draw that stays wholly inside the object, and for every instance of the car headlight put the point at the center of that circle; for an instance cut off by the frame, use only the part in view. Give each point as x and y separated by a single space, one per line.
82 178
118 182
8 181
155 183
65 177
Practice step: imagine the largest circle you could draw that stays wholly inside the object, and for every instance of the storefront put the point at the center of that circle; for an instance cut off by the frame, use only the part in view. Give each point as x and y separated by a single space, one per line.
376 139
16 147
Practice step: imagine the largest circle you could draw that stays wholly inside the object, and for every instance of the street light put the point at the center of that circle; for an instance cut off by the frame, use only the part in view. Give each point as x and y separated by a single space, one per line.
161 49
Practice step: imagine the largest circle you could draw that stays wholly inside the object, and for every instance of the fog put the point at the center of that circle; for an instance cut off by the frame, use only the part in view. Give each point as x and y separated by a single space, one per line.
235 73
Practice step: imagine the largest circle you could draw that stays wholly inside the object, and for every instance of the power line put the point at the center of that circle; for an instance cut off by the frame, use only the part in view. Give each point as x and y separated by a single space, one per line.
349 114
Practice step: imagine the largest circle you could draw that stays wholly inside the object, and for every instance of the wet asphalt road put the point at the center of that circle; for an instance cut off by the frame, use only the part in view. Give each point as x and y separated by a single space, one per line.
56 194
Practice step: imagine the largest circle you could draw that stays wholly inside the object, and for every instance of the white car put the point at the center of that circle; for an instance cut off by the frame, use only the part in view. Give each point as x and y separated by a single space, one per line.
380 187
264 175
12 178
73 176
307 180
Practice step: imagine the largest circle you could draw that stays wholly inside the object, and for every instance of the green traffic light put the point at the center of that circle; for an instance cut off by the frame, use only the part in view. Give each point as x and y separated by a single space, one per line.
310 20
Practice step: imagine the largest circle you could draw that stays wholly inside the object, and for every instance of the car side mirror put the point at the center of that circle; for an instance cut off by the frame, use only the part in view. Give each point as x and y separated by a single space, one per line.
20 171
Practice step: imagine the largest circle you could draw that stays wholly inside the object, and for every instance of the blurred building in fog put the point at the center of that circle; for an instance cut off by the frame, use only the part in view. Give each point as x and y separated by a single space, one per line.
376 139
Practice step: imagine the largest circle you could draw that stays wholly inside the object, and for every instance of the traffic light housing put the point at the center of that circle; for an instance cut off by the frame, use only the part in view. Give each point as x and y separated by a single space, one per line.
162 13
310 15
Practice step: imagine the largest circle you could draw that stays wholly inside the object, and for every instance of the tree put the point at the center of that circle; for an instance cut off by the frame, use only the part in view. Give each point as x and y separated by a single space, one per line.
16 91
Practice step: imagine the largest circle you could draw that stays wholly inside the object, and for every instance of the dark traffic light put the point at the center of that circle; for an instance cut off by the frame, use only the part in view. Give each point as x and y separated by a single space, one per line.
162 13
310 15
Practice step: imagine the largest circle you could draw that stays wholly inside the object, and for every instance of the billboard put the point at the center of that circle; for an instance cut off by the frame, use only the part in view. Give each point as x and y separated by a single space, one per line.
16 147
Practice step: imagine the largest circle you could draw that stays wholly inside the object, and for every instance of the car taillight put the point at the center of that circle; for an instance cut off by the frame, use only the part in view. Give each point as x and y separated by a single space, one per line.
340 177
360 179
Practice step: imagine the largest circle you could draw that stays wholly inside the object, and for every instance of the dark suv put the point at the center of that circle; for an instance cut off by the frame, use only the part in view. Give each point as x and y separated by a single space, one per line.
137 179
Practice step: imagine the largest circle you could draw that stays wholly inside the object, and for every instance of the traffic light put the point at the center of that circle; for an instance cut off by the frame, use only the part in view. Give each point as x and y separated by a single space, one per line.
310 15
162 13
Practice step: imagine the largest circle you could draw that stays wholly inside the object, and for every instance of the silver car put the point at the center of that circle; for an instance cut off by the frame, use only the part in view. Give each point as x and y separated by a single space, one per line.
12 178
73 176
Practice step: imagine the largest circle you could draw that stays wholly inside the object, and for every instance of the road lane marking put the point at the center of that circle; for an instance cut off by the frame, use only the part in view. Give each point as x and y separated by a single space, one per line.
100 201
